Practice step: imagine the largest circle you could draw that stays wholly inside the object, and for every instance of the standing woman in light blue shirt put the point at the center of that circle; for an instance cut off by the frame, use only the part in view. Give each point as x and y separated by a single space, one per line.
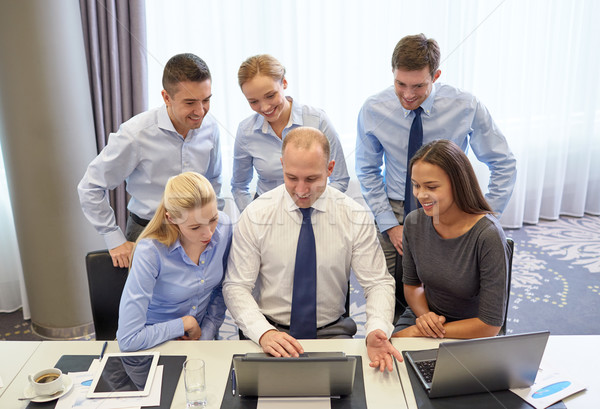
173 290
260 137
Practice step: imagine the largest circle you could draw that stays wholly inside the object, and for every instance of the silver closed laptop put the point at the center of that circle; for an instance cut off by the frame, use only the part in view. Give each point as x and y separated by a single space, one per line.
479 365
311 374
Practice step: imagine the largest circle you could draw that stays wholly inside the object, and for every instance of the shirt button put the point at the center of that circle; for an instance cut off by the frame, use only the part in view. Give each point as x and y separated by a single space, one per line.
202 262
194 307
202 281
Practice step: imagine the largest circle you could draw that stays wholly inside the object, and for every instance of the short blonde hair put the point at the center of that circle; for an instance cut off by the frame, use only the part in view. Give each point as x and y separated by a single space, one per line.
186 191
263 64
305 137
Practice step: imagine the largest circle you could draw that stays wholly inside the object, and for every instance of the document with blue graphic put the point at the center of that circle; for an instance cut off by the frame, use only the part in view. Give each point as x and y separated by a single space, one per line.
549 388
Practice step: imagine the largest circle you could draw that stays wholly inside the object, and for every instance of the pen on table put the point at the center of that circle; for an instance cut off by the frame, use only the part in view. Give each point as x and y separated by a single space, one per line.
103 349
233 381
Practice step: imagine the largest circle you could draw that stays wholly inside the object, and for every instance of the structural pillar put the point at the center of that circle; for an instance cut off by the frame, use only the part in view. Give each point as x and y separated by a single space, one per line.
47 143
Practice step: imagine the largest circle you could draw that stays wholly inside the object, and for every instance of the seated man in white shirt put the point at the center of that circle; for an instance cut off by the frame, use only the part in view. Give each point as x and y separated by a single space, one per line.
264 248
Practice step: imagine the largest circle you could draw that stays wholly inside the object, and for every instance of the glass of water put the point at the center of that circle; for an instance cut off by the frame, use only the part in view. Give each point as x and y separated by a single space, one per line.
195 383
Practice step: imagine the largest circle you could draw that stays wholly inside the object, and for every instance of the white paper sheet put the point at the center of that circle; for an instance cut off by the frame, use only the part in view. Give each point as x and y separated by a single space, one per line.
549 388
294 403
77 398
1 383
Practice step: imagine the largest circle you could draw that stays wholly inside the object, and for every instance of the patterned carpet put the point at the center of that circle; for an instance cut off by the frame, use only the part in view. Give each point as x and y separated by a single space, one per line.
556 277
555 283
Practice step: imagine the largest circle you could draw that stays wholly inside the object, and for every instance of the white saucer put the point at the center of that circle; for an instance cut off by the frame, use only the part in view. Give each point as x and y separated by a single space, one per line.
67 385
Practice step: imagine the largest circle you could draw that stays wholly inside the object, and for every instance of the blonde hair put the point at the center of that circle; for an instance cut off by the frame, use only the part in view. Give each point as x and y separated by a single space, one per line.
263 64
186 191
304 137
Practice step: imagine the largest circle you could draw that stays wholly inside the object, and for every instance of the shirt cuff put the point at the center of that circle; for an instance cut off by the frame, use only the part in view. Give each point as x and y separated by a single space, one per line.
375 324
114 239
386 221
175 329
258 330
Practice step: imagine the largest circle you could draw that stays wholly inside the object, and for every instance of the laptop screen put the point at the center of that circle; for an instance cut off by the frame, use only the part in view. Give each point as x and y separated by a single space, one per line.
481 365
312 374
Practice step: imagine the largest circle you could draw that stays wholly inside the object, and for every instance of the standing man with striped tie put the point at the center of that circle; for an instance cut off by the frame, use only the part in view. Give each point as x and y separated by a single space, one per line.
297 244
394 123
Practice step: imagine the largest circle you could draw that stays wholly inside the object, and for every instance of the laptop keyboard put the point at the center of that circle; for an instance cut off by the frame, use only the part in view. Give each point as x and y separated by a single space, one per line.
426 368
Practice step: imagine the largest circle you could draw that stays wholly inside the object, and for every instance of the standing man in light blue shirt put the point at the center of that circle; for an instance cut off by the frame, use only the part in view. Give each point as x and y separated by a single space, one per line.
384 123
150 148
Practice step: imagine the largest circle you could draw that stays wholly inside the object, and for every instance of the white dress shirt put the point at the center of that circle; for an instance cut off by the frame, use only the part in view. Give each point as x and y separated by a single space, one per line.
263 252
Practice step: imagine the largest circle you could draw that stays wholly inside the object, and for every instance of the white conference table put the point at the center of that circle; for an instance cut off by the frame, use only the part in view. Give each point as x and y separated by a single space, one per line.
382 390
13 356
576 356
573 355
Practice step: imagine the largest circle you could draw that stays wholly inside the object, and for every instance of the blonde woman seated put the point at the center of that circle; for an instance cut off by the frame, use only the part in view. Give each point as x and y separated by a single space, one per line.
173 290
455 253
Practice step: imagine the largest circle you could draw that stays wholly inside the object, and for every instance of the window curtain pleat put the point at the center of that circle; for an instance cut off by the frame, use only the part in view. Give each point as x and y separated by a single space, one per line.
534 64
115 43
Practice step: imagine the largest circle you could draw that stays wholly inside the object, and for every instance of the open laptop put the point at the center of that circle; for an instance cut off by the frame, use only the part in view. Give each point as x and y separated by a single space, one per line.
311 374
479 365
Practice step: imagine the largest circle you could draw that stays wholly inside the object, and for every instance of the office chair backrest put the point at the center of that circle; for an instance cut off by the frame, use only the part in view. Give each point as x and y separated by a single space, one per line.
106 285
511 250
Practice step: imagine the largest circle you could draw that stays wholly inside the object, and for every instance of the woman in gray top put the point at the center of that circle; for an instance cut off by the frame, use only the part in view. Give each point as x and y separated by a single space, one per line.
455 253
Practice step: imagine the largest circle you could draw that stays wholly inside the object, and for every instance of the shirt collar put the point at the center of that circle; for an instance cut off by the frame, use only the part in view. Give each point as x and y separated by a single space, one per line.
319 205
164 122
295 118
427 105
296 114
176 246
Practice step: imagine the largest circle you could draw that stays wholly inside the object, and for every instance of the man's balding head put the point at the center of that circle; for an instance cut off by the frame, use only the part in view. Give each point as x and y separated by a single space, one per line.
306 164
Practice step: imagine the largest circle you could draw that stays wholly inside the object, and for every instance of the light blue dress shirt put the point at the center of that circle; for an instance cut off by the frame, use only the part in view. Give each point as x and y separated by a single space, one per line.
145 152
164 285
258 147
448 113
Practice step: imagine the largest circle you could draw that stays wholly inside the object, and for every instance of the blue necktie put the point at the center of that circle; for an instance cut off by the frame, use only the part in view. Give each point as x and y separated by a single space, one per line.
415 140
303 321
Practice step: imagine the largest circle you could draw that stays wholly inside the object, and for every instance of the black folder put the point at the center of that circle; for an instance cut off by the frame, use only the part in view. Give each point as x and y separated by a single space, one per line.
493 400
356 400
173 364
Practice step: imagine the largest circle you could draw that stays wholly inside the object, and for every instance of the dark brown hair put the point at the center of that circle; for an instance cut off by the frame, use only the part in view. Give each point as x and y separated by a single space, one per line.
184 67
416 52
465 187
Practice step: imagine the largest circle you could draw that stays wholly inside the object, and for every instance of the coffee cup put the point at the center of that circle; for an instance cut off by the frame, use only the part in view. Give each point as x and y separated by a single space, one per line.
46 381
